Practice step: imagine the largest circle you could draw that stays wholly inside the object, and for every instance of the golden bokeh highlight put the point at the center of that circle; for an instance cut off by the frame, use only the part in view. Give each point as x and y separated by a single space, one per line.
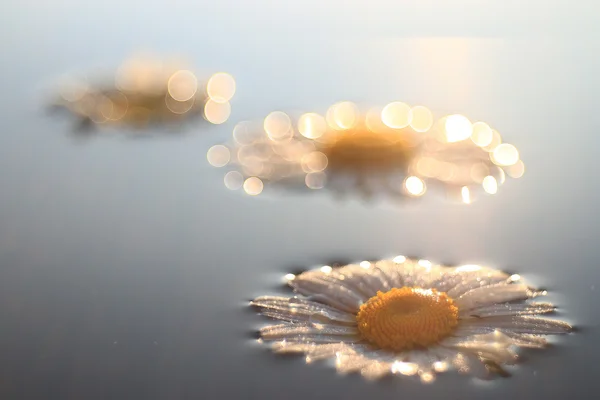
216 113
505 154
421 119
516 170
343 115
495 142
490 185
314 162
457 128
482 134
465 194
253 186
414 186
278 125
312 125
396 115
221 87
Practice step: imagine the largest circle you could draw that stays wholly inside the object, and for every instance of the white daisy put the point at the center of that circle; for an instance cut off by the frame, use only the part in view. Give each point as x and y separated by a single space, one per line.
408 317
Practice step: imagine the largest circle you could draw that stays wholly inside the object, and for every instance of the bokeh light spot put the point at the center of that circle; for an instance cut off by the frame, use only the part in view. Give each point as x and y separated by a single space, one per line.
396 115
215 112
218 156
233 180
182 85
457 128
414 186
505 154
312 125
422 119
253 186
221 87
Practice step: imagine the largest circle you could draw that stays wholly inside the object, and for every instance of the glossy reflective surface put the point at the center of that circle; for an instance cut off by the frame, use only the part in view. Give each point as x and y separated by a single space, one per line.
126 266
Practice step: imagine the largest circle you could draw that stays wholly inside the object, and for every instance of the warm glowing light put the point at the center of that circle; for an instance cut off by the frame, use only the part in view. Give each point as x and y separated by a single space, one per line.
517 170
501 176
365 264
465 194
373 120
218 156
496 140
290 277
312 125
342 115
505 154
278 125
468 268
425 263
399 259
422 119
314 162
182 85
346 114
253 186
414 186
427 377
215 112
396 115
440 366
490 185
233 180
315 180
404 368
457 127
221 87
326 269
515 277
482 134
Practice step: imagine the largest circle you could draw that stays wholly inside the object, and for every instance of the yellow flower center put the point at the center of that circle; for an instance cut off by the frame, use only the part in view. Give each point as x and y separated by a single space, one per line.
405 318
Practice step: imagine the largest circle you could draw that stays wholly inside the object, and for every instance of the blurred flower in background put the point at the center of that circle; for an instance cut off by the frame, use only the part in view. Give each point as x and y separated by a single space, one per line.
147 90
397 150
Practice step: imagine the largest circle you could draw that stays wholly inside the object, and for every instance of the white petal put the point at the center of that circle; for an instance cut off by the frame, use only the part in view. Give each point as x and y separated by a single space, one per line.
509 309
493 346
376 370
457 281
285 331
298 309
530 325
355 361
499 293
329 290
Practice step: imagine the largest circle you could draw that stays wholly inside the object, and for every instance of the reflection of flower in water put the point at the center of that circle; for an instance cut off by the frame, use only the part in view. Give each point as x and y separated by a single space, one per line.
146 90
408 317
398 150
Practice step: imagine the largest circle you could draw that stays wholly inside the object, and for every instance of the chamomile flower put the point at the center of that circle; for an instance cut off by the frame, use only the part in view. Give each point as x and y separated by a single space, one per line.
408 317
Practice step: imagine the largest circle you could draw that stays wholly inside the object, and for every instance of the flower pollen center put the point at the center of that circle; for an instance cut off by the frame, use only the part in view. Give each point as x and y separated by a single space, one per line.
406 318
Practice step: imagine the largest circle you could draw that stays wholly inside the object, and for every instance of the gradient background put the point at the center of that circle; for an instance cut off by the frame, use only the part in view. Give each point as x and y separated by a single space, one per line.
126 265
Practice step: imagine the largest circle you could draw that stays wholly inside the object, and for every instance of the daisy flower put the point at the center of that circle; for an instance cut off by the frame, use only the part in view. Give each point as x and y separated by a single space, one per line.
396 150
408 317
146 89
